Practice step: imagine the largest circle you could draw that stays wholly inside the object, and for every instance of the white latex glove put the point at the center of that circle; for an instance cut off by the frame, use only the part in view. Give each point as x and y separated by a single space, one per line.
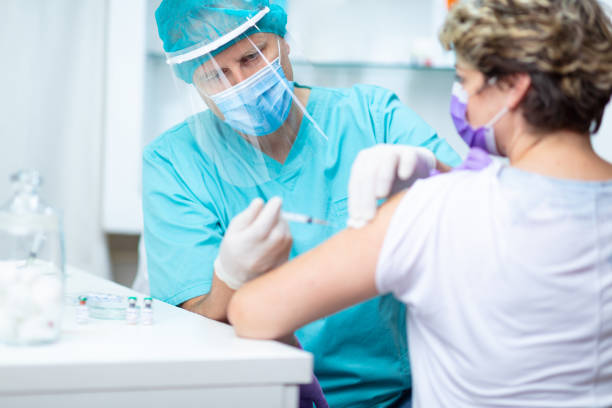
381 171
257 240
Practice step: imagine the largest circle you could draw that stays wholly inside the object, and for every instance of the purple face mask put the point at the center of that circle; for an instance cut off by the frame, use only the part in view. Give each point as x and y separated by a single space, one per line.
482 137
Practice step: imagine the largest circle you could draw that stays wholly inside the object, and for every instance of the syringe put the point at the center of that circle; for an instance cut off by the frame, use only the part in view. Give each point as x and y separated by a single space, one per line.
302 218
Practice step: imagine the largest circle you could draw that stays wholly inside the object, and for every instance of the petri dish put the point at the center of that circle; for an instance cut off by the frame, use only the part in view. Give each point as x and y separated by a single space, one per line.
106 306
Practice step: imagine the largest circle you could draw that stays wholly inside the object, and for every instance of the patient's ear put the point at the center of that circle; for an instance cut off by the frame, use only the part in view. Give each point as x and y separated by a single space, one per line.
517 86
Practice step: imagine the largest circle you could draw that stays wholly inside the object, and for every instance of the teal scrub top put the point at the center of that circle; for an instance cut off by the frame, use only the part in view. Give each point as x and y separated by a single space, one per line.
360 355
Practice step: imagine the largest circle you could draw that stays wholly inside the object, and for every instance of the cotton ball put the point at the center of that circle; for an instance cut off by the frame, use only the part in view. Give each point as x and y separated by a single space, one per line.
46 290
31 302
8 276
52 314
37 328
7 325
26 274
30 271
18 301
8 272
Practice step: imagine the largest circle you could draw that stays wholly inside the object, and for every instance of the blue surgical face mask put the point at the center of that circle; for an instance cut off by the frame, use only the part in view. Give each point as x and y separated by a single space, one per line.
260 104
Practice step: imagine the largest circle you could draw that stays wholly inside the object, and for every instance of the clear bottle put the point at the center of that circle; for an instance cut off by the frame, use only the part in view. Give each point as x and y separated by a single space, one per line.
31 265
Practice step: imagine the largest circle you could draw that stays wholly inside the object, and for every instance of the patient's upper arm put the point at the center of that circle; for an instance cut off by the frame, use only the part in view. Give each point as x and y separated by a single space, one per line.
335 275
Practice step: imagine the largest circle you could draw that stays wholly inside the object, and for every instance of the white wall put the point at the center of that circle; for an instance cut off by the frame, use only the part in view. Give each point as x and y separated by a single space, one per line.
123 121
51 104
356 30
354 41
391 31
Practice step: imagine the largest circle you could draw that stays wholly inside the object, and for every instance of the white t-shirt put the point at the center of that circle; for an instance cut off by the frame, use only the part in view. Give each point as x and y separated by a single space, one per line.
508 280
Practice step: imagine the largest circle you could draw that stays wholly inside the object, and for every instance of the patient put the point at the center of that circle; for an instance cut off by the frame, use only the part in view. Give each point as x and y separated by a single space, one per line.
507 271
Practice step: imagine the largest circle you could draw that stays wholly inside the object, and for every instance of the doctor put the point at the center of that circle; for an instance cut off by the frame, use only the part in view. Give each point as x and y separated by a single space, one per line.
254 140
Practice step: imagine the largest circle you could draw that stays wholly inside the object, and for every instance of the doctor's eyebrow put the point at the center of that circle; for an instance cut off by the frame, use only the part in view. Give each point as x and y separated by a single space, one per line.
213 73
261 45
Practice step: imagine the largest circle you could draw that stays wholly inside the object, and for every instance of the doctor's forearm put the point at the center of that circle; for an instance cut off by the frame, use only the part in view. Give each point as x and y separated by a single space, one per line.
213 304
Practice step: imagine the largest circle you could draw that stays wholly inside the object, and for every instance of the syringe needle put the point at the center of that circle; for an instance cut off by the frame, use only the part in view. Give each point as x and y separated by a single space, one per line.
302 218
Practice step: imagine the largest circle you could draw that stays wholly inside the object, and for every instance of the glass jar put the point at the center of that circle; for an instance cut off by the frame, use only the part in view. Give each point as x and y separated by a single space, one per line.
31 265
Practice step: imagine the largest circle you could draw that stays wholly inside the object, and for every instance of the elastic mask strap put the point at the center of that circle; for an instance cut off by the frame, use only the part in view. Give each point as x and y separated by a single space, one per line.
490 134
492 81
295 99
498 116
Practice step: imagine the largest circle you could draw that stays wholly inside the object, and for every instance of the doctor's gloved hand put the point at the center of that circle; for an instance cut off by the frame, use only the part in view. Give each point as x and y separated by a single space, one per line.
380 171
257 240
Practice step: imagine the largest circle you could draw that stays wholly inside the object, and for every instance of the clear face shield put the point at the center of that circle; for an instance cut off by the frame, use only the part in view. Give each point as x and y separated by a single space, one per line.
241 104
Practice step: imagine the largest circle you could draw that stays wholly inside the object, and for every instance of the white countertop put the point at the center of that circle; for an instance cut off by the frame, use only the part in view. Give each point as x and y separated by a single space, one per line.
181 349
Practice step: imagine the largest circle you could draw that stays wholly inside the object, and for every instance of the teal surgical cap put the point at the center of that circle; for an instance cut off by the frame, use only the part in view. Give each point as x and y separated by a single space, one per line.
188 24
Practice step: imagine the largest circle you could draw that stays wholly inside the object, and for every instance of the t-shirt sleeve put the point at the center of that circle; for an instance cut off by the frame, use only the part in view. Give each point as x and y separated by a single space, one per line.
181 231
396 123
409 242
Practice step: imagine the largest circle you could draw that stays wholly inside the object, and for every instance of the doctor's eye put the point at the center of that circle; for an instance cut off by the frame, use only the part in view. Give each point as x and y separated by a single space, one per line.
250 57
459 78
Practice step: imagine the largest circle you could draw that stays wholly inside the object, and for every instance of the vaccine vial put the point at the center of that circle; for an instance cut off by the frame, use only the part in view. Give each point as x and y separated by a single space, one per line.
131 314
82 313
147 311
